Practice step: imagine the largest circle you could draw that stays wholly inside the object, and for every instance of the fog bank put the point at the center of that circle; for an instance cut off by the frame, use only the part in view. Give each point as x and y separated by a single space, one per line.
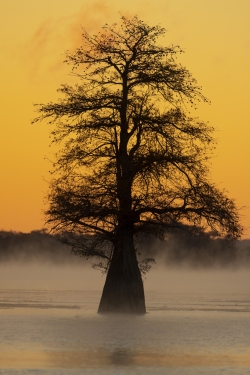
159 279
184 264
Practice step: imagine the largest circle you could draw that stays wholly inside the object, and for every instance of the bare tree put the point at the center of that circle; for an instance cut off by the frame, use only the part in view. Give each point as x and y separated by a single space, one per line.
132 159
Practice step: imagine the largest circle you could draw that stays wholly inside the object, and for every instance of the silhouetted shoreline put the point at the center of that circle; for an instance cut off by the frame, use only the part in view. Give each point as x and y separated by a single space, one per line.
200 251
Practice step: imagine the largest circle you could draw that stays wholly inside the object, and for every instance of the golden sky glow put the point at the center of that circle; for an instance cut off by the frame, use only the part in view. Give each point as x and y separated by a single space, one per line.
34 35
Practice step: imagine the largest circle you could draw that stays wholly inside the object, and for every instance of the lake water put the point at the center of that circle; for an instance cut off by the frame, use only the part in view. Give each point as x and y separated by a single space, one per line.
59 332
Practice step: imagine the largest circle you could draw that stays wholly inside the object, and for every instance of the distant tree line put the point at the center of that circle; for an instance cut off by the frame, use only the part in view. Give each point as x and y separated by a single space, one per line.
37 245
201 250
185 249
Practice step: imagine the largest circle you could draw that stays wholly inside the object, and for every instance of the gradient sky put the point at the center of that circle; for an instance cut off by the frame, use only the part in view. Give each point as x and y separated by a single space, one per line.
34 35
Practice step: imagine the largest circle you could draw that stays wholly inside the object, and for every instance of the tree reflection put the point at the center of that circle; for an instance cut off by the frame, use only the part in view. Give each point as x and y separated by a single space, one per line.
122 357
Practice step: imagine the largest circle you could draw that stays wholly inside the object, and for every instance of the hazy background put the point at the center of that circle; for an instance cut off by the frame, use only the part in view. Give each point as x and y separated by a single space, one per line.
35 34
183 265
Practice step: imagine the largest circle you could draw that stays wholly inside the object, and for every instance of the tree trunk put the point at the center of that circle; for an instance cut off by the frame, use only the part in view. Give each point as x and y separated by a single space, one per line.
123 291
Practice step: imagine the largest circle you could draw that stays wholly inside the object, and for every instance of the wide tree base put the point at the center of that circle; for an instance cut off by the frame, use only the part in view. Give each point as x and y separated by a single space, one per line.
123 291
122 298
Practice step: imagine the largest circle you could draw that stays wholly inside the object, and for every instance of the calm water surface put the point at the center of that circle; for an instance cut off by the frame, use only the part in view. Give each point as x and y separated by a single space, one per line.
59 332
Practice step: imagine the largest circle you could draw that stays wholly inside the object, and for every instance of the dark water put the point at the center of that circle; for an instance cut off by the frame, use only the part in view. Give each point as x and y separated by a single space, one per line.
58 332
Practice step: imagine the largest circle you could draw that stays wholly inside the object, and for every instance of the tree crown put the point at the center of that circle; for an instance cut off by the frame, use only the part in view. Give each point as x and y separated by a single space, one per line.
130 149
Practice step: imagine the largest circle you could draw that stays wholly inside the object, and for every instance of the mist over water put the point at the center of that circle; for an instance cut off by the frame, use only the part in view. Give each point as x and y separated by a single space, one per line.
52 332
197 321
183 264
161 279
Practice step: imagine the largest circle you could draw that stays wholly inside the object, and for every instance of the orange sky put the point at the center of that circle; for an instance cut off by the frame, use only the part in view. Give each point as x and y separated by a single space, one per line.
34 35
